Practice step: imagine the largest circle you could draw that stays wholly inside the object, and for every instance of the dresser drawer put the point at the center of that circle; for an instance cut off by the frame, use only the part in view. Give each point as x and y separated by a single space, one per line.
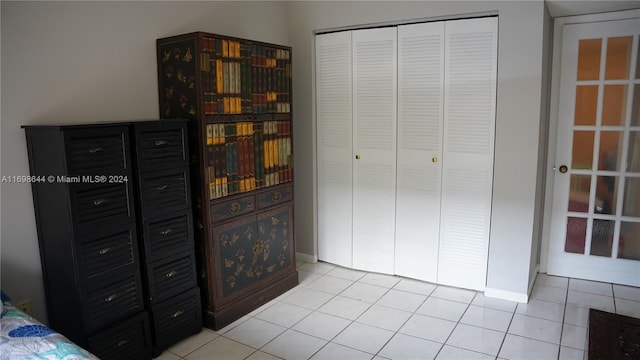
107 253
275 196
177 318
232 208
103 203
114 298
161 145
167 278
100 151
163 191
167 236
129 340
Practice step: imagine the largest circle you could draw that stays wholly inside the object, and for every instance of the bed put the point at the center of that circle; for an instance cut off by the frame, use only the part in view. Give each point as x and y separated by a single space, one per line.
23 337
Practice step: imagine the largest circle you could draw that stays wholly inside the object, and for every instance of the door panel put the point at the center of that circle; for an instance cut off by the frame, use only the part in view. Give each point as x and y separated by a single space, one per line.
374 128
469 131
594 225
335 147
420 128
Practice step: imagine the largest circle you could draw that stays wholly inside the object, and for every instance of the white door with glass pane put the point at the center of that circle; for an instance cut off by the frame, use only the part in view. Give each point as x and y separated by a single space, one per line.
595 229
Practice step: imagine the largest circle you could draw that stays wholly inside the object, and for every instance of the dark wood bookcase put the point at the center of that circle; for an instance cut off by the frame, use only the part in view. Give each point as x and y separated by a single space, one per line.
237 94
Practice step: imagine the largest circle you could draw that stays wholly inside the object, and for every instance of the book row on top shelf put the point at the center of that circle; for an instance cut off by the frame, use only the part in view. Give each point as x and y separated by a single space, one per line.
245 156
237 77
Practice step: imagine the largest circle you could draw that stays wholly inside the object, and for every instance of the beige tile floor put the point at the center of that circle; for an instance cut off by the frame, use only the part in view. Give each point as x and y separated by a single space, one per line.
338 313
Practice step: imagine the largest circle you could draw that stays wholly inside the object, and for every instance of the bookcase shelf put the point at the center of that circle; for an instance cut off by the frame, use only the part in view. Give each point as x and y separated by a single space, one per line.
237 94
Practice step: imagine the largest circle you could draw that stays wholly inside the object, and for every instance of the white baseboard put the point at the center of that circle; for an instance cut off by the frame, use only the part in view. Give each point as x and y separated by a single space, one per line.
306 257
506 295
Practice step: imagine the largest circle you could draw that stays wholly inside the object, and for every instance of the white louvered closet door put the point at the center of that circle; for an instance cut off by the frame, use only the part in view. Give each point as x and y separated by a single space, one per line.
469 118
419 160
374 127
335 147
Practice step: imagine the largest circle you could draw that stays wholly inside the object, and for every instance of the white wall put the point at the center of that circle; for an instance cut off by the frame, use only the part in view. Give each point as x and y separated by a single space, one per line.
520 64
75 62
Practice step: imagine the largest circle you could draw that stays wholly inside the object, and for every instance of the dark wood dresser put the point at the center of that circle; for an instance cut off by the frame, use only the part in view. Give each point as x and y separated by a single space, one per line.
97 199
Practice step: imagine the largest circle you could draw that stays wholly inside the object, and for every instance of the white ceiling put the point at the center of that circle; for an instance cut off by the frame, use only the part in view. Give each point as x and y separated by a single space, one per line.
558 8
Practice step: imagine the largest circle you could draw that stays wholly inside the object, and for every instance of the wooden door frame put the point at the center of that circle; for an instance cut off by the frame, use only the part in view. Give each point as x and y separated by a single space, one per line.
554 106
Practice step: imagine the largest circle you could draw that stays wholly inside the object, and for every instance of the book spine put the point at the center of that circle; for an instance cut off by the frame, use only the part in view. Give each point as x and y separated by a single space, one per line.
210 162
289 157
240 141
223 160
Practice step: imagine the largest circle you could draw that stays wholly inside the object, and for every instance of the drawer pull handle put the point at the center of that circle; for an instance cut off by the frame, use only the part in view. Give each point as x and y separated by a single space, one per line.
171 274
105 250
98 202
161 142
163 187
123 342
111 297
276 196
177 314
96 150
166 232
234 207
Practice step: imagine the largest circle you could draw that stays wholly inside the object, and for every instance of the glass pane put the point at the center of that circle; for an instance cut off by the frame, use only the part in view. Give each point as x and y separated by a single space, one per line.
618 58
629 244
576 234
633 156
582 150
589 59
606 195
631 202
635 108
586 105
608 157
614 104
579 193
601 237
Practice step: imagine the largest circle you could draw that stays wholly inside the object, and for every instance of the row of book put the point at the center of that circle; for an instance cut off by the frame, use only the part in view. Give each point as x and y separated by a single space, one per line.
245 156
240 77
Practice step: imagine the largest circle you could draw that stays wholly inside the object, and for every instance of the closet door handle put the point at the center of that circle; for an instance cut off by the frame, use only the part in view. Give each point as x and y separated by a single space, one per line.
357 157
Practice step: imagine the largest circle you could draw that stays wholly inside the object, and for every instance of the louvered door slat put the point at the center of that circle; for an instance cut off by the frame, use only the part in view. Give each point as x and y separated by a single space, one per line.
108 253
101 204
159 147
164 191
89 153
374 124
113 299
335 143
469 118
420 116
167 236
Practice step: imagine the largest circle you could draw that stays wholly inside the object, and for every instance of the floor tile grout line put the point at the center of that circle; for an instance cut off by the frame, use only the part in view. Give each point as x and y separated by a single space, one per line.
459 321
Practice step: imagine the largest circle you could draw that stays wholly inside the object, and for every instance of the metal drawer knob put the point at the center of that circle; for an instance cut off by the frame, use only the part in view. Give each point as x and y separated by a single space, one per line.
234 207
161 142
163 187
171 274
96 150
166 232
123 342
111 297
276 196
105 251
98 202
177 314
